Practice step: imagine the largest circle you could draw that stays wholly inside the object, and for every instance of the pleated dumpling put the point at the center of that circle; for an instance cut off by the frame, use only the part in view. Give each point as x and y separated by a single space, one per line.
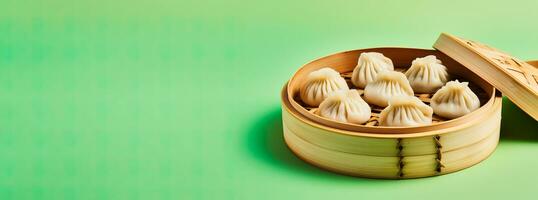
319 84
427 74
406 111
386 85
368 66
345 106
454 100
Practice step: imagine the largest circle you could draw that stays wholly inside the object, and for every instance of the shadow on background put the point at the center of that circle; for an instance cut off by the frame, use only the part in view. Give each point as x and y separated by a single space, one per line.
266 143
516 124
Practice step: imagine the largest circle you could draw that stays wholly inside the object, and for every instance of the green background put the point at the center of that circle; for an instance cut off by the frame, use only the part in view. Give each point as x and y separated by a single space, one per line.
180 99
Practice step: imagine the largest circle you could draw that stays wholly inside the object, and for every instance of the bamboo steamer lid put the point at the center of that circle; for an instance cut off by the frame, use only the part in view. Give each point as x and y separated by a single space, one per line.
516 79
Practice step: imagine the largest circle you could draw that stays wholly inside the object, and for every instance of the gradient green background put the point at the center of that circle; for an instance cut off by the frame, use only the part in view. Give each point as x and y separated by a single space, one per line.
180 99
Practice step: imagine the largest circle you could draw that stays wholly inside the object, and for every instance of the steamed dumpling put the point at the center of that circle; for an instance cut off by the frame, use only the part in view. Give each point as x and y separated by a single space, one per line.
368 66
319 84
387 85
454 100
345 106
427 74
406 111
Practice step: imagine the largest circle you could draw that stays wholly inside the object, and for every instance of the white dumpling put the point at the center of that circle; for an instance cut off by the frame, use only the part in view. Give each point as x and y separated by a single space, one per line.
368 66
406 111
387 85
345 106
454 100
427 74
319 84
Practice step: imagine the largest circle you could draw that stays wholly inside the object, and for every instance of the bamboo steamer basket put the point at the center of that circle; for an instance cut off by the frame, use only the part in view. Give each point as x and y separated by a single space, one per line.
391 152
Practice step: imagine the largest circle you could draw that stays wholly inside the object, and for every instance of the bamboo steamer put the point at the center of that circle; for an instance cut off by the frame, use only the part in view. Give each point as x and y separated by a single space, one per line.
391 152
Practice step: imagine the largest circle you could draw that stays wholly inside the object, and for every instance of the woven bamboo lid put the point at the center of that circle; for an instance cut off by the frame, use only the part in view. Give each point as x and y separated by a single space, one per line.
516 79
